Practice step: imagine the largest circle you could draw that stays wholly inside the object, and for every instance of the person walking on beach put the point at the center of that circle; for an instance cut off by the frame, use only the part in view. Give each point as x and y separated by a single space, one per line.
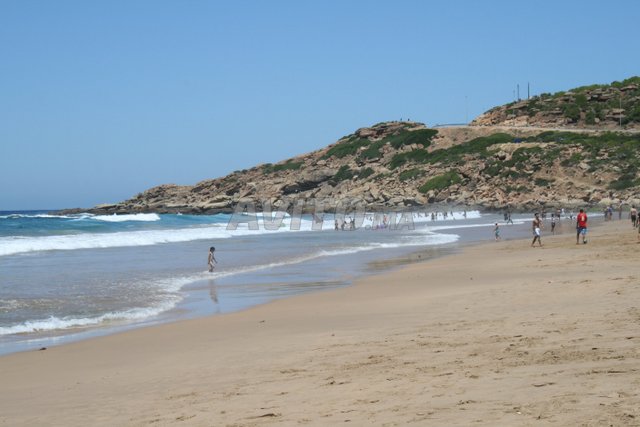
536 226
496 232
212 259
620 211
634 214
581 227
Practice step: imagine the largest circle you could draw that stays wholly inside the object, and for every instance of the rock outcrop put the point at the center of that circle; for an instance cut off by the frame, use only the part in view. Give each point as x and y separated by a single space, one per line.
613 106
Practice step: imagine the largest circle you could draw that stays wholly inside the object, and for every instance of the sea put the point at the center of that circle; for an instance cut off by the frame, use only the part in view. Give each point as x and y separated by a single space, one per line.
71 277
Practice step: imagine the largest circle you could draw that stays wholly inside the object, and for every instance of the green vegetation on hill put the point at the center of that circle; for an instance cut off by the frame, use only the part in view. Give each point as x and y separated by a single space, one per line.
414 156
614 151
615 103
524 168
419 137
288 165
606 152
451 155
365 173
477 146
441 182
610 152
346 173
614 154
373 151
615 84
352 144
343 174
410 174
346 148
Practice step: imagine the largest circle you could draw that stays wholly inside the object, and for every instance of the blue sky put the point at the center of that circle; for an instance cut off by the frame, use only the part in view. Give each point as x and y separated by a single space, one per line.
102 100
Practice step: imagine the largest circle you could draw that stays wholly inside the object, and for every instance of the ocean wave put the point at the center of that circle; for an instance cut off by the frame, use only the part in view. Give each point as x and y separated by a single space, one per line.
429 239
59 323
457 215
145 217
171 286
41 216
24 244
459 226
12 245
432 239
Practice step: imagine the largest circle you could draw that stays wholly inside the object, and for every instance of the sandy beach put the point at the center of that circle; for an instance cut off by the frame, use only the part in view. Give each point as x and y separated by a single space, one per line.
499 334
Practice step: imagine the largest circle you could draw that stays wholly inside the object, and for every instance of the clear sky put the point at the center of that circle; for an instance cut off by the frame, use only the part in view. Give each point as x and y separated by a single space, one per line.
100 100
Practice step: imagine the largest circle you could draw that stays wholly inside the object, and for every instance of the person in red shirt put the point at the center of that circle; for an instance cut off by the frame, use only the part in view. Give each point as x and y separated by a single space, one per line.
581 227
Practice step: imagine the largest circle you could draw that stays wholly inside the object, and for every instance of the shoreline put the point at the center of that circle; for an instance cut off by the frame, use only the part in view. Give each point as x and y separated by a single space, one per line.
232 297
181 312
490 334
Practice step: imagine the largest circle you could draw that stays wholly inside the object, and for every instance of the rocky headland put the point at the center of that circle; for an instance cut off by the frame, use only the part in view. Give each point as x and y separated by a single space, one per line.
526 155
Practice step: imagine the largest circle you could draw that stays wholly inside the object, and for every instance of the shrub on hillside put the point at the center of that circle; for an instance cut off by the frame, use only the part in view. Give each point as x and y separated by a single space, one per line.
289 165
571 112
343 173
410 174
441 182
346 148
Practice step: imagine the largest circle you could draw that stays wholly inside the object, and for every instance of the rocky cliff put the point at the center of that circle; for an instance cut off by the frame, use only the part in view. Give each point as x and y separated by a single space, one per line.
407 165
612 106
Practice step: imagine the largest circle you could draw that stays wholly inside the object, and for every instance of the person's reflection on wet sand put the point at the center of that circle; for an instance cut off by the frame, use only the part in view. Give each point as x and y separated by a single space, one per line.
213 293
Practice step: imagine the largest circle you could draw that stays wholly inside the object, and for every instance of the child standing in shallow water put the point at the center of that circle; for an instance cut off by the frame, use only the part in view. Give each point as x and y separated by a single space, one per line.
496 231
212 259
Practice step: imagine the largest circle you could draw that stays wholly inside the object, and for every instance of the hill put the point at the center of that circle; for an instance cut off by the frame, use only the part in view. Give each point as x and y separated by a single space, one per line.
407 165
568 149
612 106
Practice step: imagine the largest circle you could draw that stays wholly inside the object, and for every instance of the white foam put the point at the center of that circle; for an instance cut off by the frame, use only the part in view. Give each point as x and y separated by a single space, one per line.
455 227
169 287
22 244
12 245
457 215
172 286
16 216
420 240
430 239
55 323
145 217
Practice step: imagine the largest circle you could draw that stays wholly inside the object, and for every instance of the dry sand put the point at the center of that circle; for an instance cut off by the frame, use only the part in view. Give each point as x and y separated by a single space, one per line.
500 334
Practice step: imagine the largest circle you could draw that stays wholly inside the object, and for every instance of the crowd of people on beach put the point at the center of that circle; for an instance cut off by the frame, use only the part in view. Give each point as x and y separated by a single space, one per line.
346 224
581 223
379 221
382 221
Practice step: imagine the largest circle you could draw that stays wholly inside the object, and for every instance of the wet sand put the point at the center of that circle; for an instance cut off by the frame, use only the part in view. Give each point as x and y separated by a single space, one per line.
497 334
